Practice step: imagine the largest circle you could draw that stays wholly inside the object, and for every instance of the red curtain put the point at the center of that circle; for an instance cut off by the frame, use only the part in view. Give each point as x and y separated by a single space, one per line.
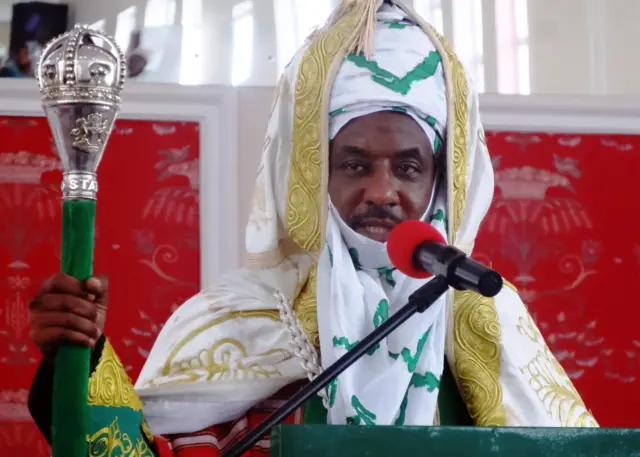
147 242
562 228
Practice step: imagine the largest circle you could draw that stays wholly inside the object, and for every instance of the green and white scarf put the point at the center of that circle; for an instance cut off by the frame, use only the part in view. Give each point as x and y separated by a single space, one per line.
397 382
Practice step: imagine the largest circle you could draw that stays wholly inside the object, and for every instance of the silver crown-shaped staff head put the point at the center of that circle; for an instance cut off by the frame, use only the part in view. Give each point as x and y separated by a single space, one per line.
81 75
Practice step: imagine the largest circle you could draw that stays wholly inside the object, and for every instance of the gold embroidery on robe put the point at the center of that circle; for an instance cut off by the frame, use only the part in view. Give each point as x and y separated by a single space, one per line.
111 442
476 342
527 327
305 307
109 385
551 383
270 314
147 431
458 130
216 363
306 194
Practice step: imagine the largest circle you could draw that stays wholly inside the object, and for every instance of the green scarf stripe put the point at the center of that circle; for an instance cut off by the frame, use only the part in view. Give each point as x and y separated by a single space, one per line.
399 84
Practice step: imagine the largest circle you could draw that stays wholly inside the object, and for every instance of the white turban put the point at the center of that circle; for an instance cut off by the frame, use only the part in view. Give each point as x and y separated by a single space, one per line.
404 75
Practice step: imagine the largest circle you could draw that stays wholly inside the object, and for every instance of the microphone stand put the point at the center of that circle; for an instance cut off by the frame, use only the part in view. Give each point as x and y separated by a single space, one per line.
418 302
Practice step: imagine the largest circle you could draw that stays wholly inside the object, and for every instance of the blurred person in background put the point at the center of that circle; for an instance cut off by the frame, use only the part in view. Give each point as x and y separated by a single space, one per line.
137 57
20 66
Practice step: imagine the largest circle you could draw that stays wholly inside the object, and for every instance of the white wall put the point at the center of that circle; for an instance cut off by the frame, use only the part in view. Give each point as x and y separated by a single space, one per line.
619 51
5 32
584 46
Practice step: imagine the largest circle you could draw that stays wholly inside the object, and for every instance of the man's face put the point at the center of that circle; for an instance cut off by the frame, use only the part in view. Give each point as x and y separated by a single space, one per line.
381 172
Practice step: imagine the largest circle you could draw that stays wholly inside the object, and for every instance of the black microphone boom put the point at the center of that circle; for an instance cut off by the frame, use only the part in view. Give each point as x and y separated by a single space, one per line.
461 272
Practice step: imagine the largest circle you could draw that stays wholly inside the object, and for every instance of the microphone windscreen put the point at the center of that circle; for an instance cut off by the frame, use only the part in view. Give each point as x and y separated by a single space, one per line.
403 241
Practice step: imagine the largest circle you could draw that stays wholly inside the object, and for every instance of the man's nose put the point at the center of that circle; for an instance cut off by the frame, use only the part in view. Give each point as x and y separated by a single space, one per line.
381 189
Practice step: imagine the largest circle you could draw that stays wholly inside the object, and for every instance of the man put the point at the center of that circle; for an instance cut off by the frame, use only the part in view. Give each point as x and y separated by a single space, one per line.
357 142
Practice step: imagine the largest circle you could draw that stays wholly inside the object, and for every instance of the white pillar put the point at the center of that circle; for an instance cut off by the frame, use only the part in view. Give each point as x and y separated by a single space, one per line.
560 57
178 18
217 37
490 46
264 68
447 19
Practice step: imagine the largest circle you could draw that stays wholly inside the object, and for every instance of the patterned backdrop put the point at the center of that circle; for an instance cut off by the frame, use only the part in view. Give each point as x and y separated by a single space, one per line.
552 232
147 242
563 228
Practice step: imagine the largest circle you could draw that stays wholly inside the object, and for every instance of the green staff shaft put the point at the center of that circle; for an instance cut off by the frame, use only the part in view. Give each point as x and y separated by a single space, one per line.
70 409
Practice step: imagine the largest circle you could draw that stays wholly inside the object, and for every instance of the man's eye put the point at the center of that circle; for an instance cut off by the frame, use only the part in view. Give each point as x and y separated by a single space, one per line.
408 169
353 166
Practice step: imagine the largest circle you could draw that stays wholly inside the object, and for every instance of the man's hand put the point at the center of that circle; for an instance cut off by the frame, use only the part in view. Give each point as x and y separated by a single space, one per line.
68 311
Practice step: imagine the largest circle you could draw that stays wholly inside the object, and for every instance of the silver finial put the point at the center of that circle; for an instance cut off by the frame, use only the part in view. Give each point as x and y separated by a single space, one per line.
81 74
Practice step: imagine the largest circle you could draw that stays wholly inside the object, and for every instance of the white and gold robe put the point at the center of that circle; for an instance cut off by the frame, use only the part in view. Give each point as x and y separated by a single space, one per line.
238 343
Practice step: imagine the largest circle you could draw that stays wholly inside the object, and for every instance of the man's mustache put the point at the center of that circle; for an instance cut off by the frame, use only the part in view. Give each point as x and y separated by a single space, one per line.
374 212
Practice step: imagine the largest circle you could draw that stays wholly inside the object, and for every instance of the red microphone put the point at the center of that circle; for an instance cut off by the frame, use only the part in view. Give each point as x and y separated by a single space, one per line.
403 241
418 250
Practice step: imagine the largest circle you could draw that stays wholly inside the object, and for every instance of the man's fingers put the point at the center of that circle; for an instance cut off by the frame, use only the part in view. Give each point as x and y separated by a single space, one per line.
68 321
63 284
50 336
67 311
64 303
93 289
98 288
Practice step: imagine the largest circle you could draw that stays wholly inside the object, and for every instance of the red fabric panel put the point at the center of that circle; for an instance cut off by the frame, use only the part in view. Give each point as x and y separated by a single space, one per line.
563 228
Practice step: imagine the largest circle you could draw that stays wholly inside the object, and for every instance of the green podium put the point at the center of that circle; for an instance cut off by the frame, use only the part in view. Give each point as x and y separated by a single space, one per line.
362 441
